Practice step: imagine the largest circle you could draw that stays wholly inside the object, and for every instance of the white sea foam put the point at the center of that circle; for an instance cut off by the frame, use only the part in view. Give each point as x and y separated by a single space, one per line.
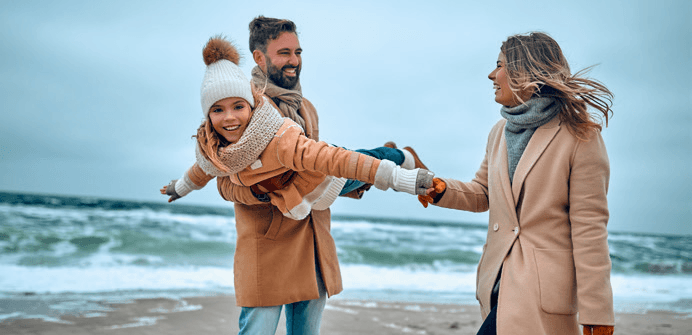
22 315
651 288
107 279
631 293
364 277
23 214
139 322
642 288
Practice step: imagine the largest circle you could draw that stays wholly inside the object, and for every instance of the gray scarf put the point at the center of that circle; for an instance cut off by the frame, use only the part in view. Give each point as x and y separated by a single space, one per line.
287 100
522 122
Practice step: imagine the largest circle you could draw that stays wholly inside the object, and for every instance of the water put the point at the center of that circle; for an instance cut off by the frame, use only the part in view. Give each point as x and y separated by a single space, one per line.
64 253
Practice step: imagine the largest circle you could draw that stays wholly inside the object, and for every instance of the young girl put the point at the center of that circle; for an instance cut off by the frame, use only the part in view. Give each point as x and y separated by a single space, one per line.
245 138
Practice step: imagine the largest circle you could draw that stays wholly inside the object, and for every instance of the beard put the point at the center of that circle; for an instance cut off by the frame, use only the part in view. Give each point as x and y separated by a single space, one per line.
277 75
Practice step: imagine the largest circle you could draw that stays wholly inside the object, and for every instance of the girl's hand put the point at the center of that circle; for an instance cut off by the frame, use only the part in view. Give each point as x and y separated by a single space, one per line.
165 191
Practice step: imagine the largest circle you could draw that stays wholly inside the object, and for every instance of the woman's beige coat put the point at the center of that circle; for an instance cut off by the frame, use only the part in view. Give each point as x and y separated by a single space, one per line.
547 232
274 262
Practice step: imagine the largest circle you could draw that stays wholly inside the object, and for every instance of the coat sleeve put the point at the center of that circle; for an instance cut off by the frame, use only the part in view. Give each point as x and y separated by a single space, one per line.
468 196
227 190
198 176
588 214
236 193
471 196
299 153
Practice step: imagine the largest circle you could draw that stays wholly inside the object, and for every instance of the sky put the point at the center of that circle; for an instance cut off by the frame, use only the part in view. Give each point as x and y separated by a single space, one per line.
102 98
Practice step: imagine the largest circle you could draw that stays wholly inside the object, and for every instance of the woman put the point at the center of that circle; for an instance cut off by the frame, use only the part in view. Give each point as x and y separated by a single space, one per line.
545 267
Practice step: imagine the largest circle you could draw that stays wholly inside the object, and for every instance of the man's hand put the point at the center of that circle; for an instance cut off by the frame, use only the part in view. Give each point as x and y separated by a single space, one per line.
272 184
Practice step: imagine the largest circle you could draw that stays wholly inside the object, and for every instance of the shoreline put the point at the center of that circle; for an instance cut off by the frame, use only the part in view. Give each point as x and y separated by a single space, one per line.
218 315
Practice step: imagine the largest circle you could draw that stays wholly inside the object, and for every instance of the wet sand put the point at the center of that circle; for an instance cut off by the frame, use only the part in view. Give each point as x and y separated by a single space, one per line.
219 315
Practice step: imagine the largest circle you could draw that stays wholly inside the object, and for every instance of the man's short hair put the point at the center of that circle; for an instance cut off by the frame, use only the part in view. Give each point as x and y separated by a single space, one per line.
264 29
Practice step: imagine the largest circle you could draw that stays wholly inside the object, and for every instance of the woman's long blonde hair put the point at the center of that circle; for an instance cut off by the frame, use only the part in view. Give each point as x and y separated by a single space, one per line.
209 140
535 61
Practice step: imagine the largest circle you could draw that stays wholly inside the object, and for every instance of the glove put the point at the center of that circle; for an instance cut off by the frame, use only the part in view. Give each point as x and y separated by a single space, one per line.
170 190
390 175
598 330
438 188
179 188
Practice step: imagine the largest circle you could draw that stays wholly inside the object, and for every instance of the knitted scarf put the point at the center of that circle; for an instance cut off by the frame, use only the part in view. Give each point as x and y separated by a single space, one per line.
263 125
287 100
522 122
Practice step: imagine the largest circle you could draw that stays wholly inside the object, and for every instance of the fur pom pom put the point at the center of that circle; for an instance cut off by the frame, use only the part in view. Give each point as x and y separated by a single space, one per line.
219 48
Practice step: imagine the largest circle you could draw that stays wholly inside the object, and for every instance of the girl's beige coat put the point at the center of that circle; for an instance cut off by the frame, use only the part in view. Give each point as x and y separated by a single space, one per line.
274 262
547 232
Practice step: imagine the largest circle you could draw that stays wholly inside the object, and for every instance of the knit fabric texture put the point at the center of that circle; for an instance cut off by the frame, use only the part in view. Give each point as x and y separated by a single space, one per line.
287 100
223 79
263 125
522 122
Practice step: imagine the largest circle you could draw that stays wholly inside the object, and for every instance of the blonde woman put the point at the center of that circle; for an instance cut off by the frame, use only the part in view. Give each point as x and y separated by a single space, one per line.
545 267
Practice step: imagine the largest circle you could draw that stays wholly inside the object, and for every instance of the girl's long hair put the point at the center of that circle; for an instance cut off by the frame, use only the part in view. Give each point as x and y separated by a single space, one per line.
209 141
535 61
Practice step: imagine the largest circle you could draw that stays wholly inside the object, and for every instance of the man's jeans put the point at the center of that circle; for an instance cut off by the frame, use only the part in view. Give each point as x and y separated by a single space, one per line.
302 318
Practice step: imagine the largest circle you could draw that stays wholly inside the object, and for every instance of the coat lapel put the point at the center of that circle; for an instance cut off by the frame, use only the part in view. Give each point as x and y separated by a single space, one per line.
536 146
504 170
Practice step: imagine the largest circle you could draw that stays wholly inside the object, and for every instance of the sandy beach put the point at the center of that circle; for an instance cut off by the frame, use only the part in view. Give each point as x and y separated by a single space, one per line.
219 315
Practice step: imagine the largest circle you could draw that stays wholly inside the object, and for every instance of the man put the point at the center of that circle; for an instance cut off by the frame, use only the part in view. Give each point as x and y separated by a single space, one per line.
279 261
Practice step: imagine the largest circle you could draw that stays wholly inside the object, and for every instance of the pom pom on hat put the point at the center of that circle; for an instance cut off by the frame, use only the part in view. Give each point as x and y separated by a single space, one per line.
223 78
217 49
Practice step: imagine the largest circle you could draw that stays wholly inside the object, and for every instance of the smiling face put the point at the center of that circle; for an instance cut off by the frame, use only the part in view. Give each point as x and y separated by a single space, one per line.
503 92
282 62
229 117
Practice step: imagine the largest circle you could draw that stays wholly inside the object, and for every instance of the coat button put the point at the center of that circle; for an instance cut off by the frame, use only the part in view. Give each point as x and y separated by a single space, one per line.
516 230
496 227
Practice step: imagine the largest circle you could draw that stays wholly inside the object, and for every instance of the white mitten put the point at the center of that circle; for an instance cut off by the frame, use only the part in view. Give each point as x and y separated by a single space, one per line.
415 181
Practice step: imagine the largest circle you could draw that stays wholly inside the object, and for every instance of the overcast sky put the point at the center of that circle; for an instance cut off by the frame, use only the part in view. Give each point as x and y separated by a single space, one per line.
101 99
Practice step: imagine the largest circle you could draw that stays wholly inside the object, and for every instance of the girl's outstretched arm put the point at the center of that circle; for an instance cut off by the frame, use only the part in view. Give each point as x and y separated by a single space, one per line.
193 179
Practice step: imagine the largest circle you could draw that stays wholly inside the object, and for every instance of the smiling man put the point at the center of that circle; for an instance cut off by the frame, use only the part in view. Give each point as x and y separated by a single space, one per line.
279 262
280 59
276 50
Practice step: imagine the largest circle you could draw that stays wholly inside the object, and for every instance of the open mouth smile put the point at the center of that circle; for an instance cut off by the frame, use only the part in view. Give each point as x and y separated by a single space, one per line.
290 71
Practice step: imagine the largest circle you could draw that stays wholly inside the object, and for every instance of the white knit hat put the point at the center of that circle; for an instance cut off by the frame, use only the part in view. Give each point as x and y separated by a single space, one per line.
223 78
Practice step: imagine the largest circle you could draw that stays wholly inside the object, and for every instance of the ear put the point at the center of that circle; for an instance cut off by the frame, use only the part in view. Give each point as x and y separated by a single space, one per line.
260 59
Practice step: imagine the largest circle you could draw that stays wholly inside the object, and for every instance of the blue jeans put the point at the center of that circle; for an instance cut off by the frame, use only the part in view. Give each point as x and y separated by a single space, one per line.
302 318
394 155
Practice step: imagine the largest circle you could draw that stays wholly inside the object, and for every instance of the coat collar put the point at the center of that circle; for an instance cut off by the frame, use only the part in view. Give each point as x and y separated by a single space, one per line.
535 148
504 168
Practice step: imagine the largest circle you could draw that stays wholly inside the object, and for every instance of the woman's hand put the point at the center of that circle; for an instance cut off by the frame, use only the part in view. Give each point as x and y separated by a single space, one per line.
598 330
433 193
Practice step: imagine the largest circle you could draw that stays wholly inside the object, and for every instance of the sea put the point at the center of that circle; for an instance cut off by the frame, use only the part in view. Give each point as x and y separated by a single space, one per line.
67 255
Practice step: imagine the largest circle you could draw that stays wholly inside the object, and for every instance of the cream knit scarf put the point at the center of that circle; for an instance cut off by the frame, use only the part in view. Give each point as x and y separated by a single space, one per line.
287 100
263 125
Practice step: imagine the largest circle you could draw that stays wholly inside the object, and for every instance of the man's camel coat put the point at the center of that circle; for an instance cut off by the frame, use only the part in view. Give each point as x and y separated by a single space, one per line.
275 257
547 231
